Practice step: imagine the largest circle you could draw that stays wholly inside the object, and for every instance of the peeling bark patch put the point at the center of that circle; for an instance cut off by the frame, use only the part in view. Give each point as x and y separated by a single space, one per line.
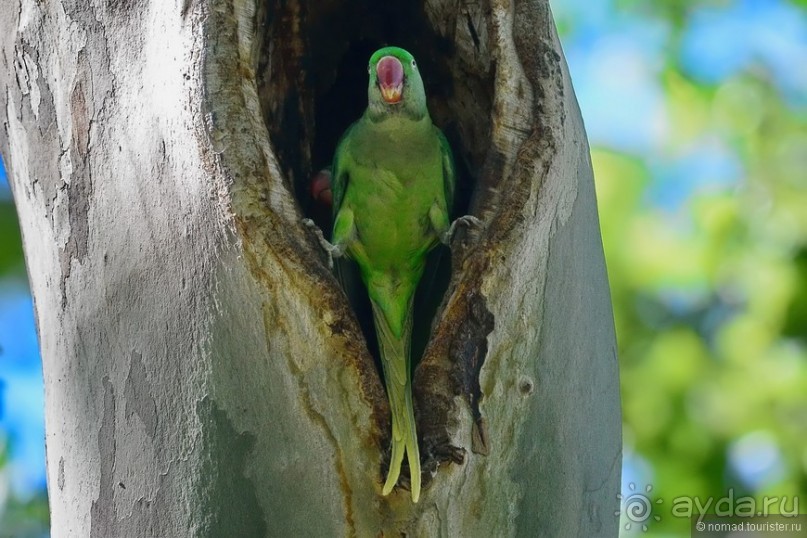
102 522
43 172
79 189
469 348
60 476
470 345
139 399
81 124
230 505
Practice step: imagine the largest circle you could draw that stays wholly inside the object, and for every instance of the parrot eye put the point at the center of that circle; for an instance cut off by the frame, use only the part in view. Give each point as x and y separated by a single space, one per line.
415 65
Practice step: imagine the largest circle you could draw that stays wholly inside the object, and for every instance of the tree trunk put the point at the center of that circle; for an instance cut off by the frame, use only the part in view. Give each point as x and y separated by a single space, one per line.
204 372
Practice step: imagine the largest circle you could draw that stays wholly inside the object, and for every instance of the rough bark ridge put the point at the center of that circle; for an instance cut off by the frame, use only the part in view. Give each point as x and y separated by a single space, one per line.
204 374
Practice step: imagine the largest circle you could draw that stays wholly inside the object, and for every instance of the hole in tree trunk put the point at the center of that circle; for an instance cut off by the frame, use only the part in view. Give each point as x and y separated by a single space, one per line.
312 83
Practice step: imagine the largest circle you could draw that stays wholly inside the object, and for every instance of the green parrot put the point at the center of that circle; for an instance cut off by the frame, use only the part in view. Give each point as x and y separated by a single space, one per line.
392 188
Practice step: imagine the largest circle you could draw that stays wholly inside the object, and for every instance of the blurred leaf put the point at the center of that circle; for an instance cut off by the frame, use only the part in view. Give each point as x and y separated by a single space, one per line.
710 295
11 258
795 323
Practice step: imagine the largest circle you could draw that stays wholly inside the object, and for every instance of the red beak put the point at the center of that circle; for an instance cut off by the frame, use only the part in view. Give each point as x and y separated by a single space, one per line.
390 78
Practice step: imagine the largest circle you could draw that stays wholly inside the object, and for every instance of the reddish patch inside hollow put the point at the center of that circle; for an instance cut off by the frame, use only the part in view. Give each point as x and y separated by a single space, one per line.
321 188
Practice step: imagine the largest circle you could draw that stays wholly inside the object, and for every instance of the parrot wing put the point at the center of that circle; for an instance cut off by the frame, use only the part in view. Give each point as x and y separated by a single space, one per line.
449 172
346 269
340 176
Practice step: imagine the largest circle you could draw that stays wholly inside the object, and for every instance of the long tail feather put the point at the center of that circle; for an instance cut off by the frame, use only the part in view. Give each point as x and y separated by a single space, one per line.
395 359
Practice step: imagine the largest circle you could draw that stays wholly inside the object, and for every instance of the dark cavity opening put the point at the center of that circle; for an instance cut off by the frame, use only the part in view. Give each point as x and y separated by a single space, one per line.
312 82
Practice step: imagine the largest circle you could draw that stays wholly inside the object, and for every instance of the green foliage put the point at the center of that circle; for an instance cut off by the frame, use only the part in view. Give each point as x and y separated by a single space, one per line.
710 299
10 245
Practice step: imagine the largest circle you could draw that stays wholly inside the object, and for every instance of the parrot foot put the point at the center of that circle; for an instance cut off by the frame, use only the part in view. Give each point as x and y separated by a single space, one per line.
333 251
468 220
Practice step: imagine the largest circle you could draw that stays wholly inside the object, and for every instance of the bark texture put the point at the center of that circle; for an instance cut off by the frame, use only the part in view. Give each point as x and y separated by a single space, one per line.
204 373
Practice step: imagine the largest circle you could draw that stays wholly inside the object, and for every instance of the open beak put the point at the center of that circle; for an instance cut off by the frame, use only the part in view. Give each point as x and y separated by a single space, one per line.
390 78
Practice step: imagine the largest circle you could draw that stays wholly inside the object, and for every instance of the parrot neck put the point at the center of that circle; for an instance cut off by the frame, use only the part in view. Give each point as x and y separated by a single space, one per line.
380 112
398 124
395 136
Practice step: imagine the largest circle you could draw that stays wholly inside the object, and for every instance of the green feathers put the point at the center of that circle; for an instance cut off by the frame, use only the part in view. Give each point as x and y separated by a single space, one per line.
393 183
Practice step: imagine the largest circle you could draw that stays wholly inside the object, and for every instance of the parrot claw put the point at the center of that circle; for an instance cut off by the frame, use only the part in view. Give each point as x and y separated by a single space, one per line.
468 220
333 251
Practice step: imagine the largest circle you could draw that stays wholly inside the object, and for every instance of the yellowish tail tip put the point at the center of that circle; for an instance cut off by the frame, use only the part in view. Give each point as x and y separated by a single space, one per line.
389 484
398 450
396 458
413 455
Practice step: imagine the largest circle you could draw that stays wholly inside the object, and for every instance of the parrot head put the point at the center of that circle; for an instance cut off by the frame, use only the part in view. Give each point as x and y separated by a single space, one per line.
395 86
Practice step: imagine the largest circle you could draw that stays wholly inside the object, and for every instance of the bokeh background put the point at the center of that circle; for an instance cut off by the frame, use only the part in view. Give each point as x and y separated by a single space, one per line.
697 116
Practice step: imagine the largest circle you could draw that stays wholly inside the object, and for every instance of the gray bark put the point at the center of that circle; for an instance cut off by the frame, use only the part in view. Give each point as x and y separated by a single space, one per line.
204 374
